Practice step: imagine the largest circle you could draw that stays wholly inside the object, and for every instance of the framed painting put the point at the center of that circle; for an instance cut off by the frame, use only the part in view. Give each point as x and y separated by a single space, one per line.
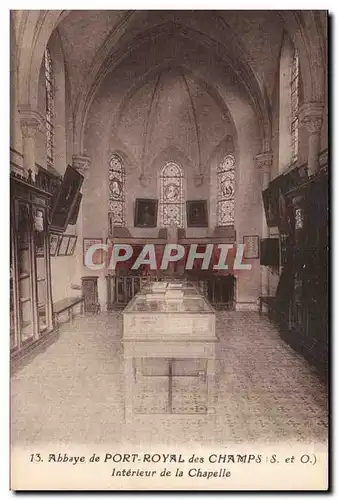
197 213
65 200
63 246
145 212
251 249
54 240
71 244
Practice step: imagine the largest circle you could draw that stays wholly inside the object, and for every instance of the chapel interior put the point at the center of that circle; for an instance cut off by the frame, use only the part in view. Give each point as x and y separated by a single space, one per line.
155 127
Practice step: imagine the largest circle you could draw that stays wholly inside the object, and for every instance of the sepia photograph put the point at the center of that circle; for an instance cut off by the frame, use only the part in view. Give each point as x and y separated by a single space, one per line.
169 250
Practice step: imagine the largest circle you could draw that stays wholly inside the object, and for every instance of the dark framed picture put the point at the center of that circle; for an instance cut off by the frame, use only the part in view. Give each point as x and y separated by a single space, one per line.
145 212
71 244
197 213
65 199
251 249
54 240
98 254
63 246
75 210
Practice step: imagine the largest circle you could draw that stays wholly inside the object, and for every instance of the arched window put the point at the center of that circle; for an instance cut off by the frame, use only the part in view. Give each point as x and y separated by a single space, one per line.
289 83
294 88
226 191
171 195
49 83
116 182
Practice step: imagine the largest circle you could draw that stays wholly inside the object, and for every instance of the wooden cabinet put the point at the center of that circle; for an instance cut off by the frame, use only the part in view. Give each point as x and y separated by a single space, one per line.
300 307
31 314
90 294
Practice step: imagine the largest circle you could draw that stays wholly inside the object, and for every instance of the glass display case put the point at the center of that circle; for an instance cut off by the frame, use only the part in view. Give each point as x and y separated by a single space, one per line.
31 314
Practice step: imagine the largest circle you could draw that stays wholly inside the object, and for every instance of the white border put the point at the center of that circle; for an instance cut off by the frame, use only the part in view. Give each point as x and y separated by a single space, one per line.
4 186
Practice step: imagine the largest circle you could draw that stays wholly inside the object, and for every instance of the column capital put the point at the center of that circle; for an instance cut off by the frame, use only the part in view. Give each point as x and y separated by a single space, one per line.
81 163
263 161
30 121
311 116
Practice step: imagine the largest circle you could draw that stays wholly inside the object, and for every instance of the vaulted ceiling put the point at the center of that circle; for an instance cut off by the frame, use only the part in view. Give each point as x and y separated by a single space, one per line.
244 44
95 41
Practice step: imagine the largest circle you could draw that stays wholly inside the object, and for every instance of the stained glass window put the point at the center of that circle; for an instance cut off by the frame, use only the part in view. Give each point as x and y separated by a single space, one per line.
171 195
294 106
226 191
116 183
49 82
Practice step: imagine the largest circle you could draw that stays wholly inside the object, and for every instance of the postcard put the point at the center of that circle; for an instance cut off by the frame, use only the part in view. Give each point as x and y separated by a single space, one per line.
169 250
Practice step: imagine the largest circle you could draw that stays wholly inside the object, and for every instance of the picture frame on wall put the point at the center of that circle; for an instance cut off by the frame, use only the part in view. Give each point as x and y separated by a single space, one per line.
98 255
65 200
71 244
197 213
251 249
54 240
63 246
145 212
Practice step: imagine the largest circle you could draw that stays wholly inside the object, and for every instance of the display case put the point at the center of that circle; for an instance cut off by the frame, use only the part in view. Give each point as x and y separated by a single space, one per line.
31 314
300 308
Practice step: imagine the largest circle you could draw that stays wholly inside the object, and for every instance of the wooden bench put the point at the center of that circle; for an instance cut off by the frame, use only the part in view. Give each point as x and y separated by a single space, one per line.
66 304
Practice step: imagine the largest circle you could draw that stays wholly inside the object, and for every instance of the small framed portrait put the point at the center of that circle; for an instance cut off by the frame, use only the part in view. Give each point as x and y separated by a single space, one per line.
63 246
98 254
197 213
145 212
251 249
71 244
54 240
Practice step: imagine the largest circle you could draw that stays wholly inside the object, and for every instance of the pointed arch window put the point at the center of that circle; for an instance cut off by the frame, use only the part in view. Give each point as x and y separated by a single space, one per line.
294 105
226 191
116 183
289 98
171 195
50 106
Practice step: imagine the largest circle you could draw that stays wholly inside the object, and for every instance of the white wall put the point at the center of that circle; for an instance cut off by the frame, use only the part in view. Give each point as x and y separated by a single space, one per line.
117 121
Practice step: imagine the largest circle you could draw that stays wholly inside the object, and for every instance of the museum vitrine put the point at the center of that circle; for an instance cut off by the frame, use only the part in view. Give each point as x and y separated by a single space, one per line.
31 314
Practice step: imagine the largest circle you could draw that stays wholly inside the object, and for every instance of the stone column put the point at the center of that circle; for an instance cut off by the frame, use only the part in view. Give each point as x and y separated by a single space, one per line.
264 162
82 164
30 122
311 116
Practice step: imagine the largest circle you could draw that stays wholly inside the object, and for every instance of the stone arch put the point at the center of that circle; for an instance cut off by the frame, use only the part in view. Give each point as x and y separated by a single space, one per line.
258 95
116 146
35 29
308 39
60 104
